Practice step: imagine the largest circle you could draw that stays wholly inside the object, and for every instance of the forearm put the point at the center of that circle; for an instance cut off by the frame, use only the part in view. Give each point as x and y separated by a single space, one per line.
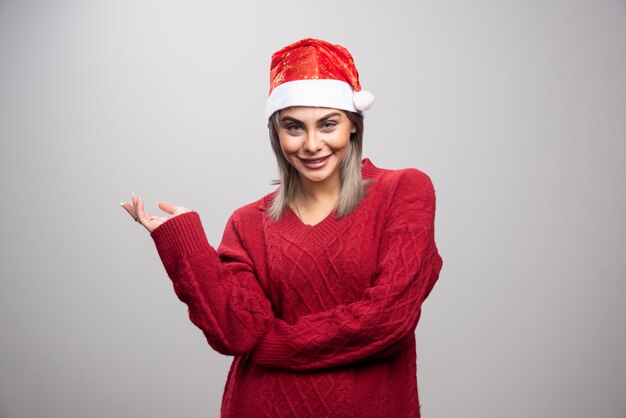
223 298
371 328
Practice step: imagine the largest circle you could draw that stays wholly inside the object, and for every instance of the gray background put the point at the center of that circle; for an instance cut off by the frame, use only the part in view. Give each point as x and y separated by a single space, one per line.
516 109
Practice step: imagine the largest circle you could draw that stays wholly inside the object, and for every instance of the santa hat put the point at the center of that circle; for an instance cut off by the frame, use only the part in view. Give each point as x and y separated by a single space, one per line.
312 72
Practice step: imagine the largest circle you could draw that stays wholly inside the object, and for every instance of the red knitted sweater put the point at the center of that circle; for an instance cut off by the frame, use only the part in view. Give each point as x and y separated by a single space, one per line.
320 318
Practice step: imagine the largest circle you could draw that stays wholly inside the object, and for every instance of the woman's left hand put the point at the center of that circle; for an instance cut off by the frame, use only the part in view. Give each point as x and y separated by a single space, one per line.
147 220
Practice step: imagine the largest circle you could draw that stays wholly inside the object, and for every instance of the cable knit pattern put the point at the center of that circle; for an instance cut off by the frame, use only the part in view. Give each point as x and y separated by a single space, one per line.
320 318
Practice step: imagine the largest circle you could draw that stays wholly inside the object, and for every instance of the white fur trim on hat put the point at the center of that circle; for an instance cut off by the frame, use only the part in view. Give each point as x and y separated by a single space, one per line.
312 92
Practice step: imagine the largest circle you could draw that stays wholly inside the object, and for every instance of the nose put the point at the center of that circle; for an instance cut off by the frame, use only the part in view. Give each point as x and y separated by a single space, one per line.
312 143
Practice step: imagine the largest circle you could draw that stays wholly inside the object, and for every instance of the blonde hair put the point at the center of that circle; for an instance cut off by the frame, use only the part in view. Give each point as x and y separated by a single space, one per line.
352 184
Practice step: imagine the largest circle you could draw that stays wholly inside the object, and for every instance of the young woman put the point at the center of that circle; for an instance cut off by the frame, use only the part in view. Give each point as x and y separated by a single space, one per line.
316 288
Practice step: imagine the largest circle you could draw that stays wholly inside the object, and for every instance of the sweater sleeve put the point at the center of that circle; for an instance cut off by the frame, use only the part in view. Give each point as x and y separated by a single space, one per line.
220 287
408 266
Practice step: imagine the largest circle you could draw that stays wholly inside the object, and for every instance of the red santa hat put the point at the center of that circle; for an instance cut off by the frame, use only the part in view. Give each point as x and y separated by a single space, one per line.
312 72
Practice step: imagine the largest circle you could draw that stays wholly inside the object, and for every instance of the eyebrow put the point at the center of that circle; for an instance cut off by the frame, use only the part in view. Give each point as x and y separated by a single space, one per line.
320 120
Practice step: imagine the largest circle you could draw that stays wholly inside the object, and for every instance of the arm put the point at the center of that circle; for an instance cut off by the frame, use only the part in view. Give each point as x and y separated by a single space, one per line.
409 265
220 288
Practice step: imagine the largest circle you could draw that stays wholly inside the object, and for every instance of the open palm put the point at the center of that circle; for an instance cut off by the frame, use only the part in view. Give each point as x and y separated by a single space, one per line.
149 221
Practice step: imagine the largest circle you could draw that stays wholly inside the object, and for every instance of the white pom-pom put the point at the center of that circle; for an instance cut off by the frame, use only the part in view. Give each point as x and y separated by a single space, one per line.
363 100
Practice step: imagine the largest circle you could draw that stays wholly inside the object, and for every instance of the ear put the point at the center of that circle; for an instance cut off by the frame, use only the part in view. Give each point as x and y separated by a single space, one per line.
353 130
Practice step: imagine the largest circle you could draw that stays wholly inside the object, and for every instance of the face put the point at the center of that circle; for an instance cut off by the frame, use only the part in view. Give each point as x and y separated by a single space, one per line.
315 140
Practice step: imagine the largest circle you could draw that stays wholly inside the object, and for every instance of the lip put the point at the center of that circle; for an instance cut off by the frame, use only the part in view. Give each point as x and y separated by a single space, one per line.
315 163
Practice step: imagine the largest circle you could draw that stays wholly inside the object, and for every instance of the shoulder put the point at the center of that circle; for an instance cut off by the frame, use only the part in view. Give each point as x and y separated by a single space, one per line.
254 212
245 224
403 197
399 183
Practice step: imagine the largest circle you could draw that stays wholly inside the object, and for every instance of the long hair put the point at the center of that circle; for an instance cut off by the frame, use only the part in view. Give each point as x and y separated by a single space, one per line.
350 180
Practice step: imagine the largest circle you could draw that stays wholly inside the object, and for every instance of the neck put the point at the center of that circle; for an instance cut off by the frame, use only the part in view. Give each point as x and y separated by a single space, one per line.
326 192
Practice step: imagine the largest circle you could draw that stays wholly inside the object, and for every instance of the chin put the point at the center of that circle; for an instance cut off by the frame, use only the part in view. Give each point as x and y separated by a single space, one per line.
318 177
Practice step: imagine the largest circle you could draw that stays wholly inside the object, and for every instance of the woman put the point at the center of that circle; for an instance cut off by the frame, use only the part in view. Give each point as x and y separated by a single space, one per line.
315 289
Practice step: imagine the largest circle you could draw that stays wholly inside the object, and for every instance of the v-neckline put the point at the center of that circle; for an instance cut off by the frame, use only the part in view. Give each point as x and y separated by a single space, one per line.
293 226
293 214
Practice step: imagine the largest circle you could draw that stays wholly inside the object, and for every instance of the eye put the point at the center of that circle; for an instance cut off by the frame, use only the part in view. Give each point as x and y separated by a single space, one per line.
329 124
293 127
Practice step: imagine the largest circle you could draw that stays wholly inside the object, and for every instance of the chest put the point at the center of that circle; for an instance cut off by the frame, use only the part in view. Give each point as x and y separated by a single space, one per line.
312 269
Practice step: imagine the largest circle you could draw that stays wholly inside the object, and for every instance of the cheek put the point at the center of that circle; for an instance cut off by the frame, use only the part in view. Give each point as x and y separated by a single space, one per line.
287 146
342 142
344 150
288 155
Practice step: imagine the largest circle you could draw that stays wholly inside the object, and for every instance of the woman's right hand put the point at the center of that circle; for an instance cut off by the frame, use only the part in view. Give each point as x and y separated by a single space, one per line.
147 220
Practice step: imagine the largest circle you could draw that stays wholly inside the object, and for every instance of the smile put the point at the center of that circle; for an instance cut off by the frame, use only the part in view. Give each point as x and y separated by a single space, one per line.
315 163
316 160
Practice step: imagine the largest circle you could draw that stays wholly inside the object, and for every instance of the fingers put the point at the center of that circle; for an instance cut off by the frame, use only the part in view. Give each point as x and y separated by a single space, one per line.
138 205
167 207
143 217
129 209
136 210
171 208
